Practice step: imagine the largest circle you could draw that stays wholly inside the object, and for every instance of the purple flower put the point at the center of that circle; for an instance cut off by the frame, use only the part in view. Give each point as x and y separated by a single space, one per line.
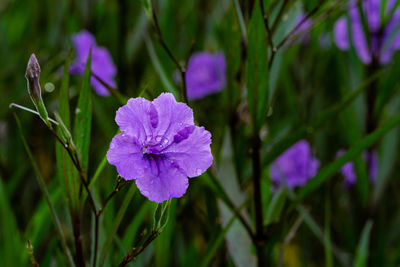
302 31
378 41
295 166
102 64
159 146
371 159
205 74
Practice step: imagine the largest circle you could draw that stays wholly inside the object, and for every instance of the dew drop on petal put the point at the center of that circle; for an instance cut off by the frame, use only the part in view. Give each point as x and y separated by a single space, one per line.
165 141
158 138
199 171
148 139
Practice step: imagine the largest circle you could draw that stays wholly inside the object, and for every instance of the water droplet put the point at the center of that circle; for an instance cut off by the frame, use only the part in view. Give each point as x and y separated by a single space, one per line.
165 140
148 139
77 111
199 171
158 138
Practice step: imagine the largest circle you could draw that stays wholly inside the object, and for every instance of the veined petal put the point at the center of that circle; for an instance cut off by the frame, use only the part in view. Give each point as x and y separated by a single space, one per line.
126 154
135 119
164 181
191 150
173 116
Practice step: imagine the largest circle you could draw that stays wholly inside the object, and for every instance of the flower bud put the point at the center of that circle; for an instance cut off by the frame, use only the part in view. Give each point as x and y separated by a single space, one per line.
32 75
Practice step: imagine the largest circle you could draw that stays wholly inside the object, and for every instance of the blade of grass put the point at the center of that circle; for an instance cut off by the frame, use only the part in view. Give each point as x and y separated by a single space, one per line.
43 188
158 67
10 238
362 248
65 168
117 222
83 118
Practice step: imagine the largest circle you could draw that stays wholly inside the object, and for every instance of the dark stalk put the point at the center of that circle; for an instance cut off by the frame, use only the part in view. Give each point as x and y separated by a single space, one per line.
279 16
134 252
294 31
266 24
182 69
259 236
76 224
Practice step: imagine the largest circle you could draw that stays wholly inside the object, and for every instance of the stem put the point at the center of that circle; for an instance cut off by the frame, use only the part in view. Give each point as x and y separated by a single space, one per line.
259 236
182 69
134 252
266 24
293 31
45 193
77 239
12 105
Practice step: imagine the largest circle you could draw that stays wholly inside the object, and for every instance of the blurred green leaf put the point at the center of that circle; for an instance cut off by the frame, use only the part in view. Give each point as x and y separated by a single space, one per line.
257 68
46 196
11 245
65 169
362 248
83 117
275 206
328 171
117 222
326 116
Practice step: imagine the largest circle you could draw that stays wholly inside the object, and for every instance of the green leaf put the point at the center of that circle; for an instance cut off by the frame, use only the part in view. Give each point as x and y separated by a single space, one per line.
46 196
213 247
65 168
286 142
117 222
328 171
276 206
10 239
83 118
257 68
362 248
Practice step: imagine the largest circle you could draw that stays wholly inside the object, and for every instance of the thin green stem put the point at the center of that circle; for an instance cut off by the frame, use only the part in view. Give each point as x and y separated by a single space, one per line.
46 196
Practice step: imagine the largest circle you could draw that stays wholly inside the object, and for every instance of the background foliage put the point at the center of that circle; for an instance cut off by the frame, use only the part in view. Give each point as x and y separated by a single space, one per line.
312 91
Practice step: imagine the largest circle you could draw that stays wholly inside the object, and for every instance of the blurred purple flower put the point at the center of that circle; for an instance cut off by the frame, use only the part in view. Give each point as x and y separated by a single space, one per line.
371 159
102 64
205 74
295 166
159 146
302 32
379 41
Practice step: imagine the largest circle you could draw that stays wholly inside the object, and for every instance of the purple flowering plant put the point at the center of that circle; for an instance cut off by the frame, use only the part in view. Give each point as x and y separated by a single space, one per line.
295 166
205 74
349 174
276 104
159 146
102 64
378 41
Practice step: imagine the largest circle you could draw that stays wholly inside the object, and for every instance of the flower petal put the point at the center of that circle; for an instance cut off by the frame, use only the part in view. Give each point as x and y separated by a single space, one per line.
164 181
340 34
126 154
136 118
359 40
173 116
205 74
191 150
